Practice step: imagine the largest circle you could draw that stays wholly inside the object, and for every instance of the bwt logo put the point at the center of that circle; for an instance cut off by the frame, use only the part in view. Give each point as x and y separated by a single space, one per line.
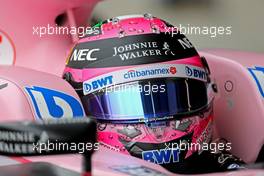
99 83
162 156
83 54
52 104
192 72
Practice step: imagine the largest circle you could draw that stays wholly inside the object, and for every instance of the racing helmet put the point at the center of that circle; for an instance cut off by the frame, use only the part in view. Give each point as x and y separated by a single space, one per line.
148 88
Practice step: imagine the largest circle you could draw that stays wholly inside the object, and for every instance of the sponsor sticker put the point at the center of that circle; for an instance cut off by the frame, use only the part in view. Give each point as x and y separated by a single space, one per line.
53 104
258 75
140 73
194 72
7 49
83 54
162 156
131 50
98 83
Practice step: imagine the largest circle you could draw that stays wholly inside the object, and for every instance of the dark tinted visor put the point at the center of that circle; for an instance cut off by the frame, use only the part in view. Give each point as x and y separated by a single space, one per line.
146 100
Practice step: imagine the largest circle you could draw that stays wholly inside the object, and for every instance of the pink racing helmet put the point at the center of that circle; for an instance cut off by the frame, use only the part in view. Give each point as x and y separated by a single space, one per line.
147 87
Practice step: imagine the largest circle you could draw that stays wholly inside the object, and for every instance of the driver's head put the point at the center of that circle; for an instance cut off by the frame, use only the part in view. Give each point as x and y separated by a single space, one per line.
147 86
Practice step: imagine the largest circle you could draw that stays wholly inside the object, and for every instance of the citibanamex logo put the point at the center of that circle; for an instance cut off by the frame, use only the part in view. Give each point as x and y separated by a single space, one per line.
173 70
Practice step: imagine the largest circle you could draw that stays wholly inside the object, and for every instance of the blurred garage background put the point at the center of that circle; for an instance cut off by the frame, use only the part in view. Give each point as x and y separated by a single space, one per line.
244 16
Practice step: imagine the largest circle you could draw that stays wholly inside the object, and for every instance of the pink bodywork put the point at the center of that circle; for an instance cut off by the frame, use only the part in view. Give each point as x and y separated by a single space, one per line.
19 20
239 112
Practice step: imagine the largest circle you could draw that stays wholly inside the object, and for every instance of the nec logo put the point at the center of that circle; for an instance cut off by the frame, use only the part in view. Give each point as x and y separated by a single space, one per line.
83 54
192 72
96 84
162 156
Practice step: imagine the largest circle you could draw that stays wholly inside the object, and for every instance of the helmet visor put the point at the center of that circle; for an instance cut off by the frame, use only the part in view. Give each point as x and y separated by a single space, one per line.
147 100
